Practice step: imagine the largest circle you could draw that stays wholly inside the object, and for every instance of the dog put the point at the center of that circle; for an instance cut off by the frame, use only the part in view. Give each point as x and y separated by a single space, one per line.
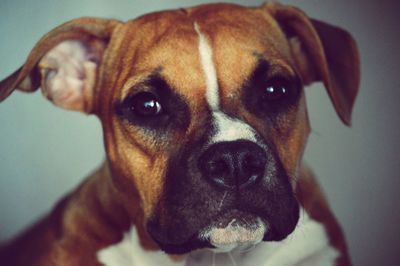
205 123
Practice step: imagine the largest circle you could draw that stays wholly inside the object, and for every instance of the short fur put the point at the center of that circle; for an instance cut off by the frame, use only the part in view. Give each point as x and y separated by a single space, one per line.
142 183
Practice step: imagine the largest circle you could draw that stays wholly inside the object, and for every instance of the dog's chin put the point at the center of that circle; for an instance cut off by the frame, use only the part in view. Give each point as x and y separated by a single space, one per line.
232 230
235 230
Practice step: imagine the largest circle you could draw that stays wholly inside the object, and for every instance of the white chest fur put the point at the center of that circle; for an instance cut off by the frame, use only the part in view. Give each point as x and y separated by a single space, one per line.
128 252
308 245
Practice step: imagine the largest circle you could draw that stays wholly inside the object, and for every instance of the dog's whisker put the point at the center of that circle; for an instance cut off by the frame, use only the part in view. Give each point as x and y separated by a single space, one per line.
213 259
222 200
252 247
316 133
232 259
295 177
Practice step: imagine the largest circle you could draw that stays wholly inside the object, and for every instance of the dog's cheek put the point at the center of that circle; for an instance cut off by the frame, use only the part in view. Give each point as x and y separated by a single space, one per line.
153 184
139 176
137 166
290 138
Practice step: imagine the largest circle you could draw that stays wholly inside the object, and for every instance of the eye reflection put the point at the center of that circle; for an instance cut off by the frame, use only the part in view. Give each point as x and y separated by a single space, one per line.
144 104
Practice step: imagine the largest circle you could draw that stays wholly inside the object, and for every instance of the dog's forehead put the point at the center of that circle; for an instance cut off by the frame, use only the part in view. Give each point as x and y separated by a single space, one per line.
168 42
239 38
164 43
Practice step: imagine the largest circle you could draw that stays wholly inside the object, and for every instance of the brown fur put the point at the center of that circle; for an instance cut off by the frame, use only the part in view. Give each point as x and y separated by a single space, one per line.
312 198
128 186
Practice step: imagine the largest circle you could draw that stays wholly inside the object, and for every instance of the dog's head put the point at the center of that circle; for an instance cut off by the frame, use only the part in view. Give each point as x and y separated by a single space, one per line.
203 111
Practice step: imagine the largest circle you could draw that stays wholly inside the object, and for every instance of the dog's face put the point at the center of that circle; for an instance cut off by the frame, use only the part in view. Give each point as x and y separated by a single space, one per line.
211 136
203 113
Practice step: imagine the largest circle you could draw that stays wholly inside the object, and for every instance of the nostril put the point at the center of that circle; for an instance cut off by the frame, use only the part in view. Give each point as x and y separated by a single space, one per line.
253 162
249 162
251 167
217 167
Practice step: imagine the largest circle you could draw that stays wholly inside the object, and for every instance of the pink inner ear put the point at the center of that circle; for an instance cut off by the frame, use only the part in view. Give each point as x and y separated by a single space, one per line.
67 75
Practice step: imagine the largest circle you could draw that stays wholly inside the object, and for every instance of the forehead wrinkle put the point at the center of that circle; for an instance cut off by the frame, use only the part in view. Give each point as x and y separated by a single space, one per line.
133 83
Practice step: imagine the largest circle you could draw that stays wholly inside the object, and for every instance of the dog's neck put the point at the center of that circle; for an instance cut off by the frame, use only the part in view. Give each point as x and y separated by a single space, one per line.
103 213
307 245
114 231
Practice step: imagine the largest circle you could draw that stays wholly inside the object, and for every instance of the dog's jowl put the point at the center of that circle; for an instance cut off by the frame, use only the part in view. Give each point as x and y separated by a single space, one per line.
205 123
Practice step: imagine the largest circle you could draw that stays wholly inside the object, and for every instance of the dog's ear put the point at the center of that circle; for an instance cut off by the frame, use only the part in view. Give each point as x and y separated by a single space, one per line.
322 52
65 63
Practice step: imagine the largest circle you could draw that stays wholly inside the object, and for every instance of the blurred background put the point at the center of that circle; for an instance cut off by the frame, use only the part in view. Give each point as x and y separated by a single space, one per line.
46 152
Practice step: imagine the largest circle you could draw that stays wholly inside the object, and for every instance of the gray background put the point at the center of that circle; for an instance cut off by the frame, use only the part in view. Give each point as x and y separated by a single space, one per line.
45 151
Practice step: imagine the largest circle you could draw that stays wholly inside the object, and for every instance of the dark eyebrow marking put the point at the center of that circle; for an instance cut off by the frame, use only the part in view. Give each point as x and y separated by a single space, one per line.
260 72
157 82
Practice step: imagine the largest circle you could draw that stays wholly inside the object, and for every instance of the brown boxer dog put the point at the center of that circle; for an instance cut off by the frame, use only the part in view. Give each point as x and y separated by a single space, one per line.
205 123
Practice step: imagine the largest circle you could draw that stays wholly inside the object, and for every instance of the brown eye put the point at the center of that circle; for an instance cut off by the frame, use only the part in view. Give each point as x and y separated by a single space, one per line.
276 90
144 104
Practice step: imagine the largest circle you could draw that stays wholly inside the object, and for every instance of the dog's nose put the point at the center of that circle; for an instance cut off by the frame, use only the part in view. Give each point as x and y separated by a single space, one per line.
233 163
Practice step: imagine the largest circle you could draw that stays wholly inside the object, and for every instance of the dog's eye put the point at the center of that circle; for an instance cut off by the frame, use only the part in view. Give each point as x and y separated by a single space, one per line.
153 107
144 104
272 96
276 89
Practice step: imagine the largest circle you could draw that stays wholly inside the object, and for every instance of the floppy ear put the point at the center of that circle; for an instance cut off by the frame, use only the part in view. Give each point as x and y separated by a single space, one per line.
65 63
322 52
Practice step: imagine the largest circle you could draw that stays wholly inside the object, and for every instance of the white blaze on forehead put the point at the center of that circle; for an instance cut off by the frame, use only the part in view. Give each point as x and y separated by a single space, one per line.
206 58
228 129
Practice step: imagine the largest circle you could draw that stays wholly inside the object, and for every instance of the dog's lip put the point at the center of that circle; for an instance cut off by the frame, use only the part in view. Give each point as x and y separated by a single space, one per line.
192 243
246 221
234 229
235 217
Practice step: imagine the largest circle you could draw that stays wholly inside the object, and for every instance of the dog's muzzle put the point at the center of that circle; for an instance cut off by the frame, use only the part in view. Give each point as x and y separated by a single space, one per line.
228 195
